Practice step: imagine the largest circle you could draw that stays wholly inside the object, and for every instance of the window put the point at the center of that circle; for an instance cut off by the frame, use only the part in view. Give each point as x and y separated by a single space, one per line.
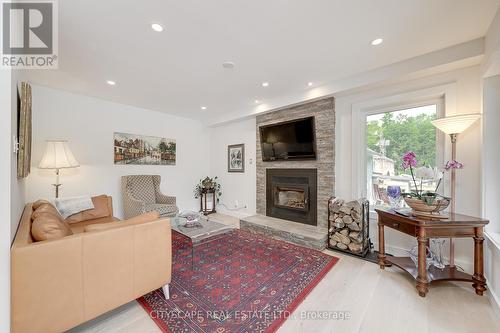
388 136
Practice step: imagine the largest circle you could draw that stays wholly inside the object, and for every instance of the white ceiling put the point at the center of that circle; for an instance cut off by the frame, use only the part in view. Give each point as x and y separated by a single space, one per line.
287 43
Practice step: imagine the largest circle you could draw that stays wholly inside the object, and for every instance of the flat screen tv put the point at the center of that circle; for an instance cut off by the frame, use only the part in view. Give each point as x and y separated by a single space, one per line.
293 139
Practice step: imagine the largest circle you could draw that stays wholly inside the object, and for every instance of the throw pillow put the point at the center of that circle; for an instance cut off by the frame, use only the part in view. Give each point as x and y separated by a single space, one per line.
45 208
71 206
49 226
40 202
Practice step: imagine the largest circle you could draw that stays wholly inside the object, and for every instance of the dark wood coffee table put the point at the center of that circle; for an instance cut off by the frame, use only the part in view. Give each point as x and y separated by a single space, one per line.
457 226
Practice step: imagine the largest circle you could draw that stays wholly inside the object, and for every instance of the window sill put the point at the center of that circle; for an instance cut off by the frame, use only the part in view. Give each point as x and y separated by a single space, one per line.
494 237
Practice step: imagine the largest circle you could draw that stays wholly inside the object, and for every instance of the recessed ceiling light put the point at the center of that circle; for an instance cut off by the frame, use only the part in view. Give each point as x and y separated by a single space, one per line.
157 27
111 83
256 101
377 41
228 65
265 84
203 107
310 84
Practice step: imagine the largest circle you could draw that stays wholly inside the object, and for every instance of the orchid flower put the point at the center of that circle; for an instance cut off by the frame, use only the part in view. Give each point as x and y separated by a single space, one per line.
410 161
424 173
449 166
453 165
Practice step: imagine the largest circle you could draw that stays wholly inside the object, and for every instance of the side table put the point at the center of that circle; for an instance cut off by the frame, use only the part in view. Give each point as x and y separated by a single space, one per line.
457 226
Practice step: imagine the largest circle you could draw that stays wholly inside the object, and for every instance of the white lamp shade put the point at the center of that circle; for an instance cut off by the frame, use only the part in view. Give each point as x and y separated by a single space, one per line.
456 124
58 156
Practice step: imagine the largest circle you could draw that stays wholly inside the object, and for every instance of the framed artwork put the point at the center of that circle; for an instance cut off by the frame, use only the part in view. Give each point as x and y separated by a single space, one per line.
236 158
23 130
143 150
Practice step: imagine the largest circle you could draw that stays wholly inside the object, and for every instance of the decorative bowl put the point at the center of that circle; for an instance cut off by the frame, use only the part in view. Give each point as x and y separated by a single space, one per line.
433 210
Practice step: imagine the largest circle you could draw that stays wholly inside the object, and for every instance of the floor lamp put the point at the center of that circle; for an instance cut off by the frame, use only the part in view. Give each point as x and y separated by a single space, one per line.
58 156
454 125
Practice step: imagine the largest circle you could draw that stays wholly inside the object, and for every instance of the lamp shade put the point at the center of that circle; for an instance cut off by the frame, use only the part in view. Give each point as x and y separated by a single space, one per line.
58 156
456 124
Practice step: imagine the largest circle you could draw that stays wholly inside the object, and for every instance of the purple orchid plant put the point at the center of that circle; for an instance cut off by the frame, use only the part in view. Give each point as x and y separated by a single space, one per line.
410 162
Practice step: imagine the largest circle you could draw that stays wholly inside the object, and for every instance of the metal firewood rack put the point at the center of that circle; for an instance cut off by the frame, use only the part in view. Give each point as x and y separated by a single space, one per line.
365 229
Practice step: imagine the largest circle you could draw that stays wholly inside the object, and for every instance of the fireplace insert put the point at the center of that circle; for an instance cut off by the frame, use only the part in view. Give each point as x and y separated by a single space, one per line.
291 194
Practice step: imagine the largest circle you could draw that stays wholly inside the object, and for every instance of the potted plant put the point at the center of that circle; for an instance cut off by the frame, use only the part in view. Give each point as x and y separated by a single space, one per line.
426 203
208 190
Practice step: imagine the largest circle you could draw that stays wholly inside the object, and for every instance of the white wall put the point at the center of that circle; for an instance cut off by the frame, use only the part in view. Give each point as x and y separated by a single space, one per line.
466 89
491 158
88 124
5 207
491 61
236 186
491 181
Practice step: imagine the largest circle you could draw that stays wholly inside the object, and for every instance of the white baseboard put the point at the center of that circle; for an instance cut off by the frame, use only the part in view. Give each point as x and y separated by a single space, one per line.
494 299
236 213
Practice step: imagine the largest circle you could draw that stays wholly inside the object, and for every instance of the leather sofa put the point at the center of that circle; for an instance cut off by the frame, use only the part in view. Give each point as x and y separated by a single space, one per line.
60 283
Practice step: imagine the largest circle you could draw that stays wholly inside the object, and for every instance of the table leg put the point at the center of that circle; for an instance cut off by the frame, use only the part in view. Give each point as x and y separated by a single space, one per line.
422 282
192 255
478 277
381 246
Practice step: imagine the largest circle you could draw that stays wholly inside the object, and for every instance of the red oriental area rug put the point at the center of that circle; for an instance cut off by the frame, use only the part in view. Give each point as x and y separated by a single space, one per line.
242 282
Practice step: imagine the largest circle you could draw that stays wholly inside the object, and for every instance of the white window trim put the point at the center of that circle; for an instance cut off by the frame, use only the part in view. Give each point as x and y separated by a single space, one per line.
444 96
494 237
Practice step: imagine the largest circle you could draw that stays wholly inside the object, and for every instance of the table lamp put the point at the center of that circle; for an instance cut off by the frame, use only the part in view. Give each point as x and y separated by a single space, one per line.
454 125
58 156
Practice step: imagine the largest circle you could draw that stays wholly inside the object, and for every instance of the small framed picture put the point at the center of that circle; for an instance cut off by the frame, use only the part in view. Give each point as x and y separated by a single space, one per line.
236 158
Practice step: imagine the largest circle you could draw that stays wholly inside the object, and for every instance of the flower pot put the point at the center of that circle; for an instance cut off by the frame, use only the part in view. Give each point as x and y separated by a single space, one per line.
423 209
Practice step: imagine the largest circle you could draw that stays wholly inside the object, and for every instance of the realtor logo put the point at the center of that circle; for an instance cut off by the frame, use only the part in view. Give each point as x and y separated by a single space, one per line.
29 34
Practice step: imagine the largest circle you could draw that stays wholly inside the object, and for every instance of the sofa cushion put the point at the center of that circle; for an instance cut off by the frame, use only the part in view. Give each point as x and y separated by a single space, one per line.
101 209
49 226
80 226
45 208
143 218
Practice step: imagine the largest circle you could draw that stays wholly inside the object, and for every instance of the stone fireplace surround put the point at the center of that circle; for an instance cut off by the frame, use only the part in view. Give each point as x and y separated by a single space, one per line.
315 235
323 111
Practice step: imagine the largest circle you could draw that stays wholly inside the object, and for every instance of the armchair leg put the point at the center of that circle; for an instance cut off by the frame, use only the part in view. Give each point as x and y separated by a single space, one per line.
166 291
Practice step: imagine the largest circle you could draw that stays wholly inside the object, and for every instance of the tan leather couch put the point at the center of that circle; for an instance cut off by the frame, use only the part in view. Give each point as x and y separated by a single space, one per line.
59 284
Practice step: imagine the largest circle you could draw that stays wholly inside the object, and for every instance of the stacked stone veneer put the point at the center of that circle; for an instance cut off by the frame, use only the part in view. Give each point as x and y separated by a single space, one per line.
324 112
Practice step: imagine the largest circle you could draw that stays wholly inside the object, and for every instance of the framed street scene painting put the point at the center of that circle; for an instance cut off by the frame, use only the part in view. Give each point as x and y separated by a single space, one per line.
144 150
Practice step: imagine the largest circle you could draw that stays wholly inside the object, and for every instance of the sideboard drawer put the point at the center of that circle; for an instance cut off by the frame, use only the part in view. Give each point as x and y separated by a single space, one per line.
406 228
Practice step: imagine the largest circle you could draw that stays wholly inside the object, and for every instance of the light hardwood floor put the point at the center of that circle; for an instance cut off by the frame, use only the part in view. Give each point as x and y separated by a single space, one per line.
377 300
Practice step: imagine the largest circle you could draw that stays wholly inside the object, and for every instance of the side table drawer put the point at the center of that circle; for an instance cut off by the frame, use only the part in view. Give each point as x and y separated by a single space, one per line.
406 228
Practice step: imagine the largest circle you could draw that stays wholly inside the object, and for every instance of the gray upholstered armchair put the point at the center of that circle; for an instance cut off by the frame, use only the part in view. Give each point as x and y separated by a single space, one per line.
141 194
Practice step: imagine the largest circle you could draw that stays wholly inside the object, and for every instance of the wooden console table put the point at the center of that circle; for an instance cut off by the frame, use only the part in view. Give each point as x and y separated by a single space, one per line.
457 226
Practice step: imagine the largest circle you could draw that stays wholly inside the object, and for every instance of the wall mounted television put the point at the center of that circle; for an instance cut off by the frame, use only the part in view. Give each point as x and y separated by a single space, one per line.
290 140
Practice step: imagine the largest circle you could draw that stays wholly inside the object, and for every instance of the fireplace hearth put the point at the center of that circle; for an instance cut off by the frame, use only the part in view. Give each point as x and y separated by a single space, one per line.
291 194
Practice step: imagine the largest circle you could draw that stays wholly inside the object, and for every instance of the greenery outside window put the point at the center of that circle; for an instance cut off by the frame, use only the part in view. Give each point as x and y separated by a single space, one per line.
388 136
